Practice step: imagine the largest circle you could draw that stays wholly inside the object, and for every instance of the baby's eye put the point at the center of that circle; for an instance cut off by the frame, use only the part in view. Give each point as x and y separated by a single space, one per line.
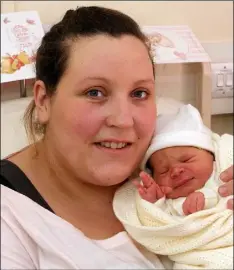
164 171
94 93
187 159
140 94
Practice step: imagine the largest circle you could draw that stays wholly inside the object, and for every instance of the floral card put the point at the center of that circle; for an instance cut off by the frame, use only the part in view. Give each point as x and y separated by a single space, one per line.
175 44
21 34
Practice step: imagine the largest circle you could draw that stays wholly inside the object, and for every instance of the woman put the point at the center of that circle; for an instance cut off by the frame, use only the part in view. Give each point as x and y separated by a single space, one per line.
94 105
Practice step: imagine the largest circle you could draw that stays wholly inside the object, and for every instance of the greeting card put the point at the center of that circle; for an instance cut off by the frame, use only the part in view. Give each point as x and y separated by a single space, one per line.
175 44
21 34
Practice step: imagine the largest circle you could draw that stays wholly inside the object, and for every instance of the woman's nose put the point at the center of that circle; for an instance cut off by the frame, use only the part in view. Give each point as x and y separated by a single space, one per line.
176 172
120 115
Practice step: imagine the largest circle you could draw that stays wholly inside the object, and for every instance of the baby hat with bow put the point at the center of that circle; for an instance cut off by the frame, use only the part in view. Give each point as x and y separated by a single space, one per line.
185 128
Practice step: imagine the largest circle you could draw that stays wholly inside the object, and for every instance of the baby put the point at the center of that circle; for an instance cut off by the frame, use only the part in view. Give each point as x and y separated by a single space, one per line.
181 153
194 232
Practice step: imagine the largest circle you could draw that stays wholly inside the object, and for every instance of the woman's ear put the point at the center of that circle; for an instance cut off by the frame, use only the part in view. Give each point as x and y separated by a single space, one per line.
42 102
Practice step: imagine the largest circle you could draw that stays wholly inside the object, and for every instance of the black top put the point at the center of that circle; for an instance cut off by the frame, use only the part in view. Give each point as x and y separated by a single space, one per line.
14 178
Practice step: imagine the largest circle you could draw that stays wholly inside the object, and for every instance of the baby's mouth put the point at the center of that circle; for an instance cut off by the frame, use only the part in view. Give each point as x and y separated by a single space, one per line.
183 181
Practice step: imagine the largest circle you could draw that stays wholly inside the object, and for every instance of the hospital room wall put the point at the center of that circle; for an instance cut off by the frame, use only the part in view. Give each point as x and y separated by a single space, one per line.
211 21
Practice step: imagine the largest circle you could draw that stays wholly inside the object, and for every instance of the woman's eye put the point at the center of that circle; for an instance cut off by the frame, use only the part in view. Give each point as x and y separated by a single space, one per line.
94 93
140 94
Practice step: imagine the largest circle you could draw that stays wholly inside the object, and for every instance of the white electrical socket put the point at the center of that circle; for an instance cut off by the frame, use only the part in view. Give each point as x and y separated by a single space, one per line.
222 80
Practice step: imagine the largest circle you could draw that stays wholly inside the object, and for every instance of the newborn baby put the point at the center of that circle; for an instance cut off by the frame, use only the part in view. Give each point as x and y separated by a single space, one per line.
195 232
175 159
175 166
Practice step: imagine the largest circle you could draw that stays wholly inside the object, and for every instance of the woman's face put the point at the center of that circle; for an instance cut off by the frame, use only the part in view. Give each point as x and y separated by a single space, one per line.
102 117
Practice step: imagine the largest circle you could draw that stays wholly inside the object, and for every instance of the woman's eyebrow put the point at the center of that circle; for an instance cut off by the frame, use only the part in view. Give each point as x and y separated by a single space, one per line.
95 78
144 81
101 78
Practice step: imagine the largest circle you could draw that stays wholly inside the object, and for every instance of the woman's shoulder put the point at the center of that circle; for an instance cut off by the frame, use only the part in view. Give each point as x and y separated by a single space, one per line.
37 236
14 178
15 204
18 249
9 171
34 238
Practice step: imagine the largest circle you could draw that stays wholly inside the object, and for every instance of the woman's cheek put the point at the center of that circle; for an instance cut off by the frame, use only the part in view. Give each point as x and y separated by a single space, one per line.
89 124
147 120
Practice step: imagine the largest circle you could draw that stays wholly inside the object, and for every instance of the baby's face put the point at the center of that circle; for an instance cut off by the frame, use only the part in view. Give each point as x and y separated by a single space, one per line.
175 166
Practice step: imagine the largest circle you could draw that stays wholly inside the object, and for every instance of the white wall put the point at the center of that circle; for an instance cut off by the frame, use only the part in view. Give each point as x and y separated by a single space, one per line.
210 20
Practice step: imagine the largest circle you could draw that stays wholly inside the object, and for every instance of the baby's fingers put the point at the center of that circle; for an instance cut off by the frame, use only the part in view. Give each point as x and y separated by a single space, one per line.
136 183
142 191
146 179
185 207
159 192
199 202
140 188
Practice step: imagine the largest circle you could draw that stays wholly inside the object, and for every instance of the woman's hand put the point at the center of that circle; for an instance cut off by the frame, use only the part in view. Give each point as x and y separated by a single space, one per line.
227 189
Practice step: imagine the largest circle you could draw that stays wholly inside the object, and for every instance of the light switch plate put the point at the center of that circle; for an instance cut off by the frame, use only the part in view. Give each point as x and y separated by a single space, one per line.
222 96
222 80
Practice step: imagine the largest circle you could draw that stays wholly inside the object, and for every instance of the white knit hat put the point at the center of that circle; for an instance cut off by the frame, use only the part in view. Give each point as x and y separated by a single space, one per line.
185 128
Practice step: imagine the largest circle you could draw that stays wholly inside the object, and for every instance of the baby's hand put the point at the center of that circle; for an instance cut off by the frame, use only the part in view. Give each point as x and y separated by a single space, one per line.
193 203
149 190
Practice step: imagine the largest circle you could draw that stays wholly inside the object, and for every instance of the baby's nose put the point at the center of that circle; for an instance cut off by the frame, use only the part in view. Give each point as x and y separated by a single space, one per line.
176 171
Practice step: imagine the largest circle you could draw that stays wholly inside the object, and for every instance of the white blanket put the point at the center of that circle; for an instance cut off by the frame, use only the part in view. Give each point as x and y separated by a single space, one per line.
203 240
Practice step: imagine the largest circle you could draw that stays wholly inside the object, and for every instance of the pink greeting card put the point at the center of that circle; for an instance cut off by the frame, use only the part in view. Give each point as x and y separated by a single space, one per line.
175 44
21 34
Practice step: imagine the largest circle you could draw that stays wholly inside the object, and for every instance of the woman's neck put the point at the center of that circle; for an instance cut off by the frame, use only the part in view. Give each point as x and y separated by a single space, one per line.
60 182
85 206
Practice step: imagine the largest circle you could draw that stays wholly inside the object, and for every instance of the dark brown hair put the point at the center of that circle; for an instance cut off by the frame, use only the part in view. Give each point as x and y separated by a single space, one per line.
53 53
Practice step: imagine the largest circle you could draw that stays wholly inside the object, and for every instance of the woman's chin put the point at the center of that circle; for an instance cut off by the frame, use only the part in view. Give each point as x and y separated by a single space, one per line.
112 176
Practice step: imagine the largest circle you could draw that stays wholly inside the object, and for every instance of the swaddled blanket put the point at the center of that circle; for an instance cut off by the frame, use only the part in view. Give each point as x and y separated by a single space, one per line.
203 240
